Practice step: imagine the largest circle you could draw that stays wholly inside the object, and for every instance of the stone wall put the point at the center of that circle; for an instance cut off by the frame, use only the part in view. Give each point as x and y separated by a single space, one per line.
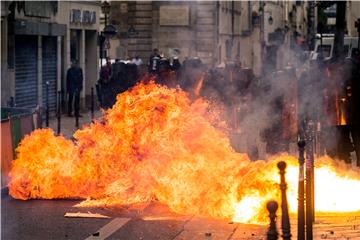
195 39
206 31
134 22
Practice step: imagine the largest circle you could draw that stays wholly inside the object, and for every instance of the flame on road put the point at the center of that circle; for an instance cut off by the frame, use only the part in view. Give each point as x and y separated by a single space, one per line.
155 143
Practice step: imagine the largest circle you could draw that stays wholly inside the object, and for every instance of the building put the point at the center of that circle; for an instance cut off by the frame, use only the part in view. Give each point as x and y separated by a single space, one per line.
352 14
38 42
196 28
217 32
82 18
30 40
328 16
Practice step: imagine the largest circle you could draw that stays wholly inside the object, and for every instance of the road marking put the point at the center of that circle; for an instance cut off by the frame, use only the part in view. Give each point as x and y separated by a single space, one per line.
108 229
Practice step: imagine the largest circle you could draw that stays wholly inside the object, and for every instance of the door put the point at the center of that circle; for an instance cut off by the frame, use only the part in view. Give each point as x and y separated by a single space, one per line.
49 71
26 91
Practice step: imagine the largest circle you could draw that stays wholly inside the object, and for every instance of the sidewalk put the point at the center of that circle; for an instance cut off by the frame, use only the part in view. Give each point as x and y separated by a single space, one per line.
68 123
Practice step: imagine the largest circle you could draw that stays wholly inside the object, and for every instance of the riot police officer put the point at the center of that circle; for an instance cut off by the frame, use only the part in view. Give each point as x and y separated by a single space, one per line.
154 62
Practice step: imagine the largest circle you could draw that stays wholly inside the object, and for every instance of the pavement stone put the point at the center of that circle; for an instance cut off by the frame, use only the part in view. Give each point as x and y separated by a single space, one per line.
207 228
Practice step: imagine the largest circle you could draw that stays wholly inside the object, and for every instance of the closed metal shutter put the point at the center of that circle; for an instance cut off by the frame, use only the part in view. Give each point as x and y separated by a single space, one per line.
26 90
49 70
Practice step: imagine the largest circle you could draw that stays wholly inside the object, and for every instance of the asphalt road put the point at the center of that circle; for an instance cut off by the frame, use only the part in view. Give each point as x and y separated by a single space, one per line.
44 219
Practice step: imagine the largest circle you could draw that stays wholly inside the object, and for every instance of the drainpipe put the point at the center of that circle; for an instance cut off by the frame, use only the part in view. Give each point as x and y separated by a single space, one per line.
217 31
249 16
39 71
262 37
232 22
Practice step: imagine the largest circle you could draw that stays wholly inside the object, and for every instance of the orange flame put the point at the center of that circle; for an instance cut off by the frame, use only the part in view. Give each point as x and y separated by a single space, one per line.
198 86
157 144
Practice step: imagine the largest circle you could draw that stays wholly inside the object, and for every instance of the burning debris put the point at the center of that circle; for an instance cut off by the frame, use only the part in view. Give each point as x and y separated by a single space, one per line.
157 144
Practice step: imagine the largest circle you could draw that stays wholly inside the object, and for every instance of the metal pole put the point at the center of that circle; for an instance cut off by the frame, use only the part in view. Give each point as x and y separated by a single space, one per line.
262 34
301 203
285 221
309 181
101 49
92 104
310 23
59 113
340 27
272 233
317 139
321 48
358 30
312 132
47 104
359 38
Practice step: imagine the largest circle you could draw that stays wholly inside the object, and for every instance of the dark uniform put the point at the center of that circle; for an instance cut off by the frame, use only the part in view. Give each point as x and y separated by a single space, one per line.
74 83
107 98
166 75
192 76
154 62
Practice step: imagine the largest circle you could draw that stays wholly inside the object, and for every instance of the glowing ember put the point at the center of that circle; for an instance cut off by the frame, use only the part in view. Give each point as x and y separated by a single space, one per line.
157 144
198 86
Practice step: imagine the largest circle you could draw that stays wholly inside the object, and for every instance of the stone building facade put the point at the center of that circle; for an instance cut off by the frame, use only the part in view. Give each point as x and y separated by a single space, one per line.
217 32
352 14
196 28
142 26
38 42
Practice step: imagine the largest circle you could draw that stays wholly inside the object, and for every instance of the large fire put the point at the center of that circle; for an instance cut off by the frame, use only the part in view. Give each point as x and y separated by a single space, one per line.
157 144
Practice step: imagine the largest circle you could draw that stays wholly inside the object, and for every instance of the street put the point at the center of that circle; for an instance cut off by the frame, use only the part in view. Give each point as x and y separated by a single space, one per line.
180 120
44 219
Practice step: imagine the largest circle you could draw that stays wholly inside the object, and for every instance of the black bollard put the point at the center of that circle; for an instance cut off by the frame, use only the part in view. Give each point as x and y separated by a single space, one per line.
272 233
92 104
309 180
301 203
312 128
47 105
59 113
98 94
285 221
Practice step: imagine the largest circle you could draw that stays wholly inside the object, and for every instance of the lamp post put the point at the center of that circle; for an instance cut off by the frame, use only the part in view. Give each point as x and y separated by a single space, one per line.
270 20
108 31
105 9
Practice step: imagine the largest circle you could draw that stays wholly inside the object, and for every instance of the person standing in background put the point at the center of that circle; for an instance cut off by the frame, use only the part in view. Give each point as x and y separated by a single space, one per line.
137 61
105 72
74 83
154 62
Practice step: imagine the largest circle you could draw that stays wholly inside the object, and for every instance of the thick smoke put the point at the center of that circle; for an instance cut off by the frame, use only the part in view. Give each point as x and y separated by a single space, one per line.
265 114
